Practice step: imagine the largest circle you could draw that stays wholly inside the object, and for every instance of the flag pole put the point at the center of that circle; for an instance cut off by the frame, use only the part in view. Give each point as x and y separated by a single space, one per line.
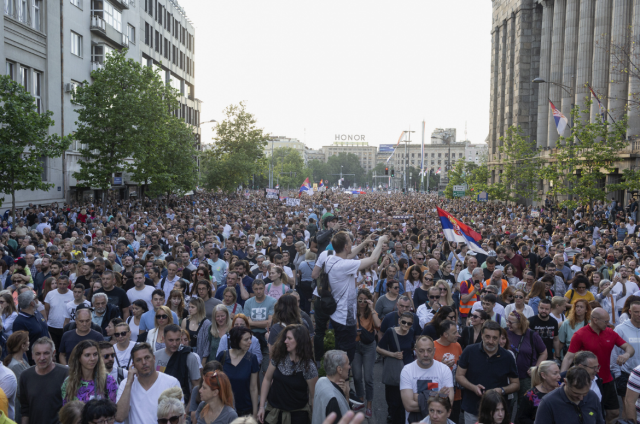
596 95
422 162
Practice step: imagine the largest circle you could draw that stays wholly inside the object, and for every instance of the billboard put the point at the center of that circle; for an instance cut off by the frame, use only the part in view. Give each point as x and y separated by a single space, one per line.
386 148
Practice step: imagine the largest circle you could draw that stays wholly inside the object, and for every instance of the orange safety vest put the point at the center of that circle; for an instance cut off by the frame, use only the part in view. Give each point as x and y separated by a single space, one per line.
505 284
465 307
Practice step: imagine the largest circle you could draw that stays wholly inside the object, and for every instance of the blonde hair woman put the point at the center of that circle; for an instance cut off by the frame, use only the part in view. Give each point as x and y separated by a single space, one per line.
155 337
219 327
198 327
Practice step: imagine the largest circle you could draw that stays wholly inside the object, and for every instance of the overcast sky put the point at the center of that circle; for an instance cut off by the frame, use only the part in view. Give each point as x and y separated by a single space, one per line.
311 70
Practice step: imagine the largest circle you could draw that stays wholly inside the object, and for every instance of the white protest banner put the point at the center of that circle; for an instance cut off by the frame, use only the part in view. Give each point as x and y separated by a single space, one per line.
292 202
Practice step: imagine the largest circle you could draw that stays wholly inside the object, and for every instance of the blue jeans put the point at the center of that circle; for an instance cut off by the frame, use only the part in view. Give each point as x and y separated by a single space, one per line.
362 366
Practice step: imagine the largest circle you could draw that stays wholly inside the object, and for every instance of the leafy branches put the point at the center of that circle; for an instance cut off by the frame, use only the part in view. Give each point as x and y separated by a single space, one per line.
24 140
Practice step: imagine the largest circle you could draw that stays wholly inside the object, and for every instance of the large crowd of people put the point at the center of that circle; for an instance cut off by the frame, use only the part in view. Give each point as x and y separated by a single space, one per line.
234 308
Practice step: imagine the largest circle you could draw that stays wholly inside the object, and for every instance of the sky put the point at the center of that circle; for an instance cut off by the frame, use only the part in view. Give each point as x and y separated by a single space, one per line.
314 70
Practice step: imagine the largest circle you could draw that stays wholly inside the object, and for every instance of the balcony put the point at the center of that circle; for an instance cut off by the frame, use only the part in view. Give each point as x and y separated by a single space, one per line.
122 3
96 66
98 24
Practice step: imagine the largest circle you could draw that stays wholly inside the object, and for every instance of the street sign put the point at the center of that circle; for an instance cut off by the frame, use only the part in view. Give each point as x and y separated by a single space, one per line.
117 180
459 190
483 197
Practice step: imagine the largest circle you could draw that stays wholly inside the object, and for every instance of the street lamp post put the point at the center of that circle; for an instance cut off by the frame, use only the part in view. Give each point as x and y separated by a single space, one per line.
406 158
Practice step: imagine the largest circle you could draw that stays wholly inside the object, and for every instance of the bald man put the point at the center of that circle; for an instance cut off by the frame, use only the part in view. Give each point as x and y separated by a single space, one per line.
598 338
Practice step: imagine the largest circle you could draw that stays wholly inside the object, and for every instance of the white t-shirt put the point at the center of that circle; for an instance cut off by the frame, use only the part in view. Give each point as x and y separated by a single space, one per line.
342 277
70 311
57 307
560 319
9 384
498 308
123 355
144 403
144 294
631 288
418 379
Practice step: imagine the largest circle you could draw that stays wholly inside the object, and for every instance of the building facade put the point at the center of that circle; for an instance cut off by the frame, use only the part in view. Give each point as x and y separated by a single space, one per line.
52 47
280 142
367 154
568 43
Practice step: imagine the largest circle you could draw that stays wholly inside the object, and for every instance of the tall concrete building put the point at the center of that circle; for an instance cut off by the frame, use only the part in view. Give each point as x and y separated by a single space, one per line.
281 141
567 43
51 47
366 153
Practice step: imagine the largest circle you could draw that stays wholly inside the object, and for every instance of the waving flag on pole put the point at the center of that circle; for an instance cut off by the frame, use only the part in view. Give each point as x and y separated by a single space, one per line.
561 121
321 184
394 149
603 111
439 170
305 188
458 232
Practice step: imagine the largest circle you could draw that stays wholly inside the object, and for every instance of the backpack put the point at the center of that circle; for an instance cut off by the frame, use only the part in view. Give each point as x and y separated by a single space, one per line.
327 303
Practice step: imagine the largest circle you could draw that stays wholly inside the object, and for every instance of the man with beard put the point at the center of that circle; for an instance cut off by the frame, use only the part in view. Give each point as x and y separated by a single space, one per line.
108 353
44 273
547 328
138 394
498 373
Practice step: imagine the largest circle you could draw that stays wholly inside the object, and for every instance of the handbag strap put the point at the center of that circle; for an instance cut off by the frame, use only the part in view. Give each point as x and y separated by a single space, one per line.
395 336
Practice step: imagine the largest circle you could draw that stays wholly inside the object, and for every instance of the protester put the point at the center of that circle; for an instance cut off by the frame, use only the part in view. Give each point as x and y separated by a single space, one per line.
545 378
217 400
88 378
332 392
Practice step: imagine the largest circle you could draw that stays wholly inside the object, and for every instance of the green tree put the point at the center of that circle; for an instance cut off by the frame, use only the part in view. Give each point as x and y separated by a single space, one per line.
320 171
238 151
457 176
122 119
288 167
347 163
584 158
24 140
521 168
177 161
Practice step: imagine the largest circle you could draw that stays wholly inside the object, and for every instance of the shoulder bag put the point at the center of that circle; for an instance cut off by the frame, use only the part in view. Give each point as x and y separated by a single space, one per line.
392 367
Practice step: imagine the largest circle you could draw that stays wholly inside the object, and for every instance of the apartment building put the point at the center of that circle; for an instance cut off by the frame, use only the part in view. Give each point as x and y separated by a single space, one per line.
51 47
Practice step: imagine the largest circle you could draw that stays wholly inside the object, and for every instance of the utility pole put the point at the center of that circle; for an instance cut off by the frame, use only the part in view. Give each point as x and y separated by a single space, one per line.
406 161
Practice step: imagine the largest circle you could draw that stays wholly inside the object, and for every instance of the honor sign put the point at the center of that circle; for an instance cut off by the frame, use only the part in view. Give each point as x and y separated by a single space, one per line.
348 137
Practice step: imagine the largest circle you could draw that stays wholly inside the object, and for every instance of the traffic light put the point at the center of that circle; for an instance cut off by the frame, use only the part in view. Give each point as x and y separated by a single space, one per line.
386 171
393 172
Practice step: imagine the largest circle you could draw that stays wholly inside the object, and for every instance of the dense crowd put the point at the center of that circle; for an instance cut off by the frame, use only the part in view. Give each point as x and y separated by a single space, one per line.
216 308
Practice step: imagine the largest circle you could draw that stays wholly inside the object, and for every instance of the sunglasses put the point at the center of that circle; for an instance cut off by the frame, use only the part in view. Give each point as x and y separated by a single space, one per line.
172 420
434 297
394 287
109 355
519 297
124 333
162 316
403 322
428 279
362 301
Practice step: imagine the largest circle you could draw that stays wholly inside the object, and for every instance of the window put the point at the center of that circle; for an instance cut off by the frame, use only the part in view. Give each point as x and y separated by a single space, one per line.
23 10
24 78
43 161
76 3
74 86
99 52
106 11
35 15
433 155
131 32
157 41
8 7
37 90
76 44
459 155
166 48
11 70
147 32
150 8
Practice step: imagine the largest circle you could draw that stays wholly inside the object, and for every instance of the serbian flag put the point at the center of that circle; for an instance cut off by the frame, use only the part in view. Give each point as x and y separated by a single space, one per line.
305 188
458 232
321 184
603 112
561 121
439 170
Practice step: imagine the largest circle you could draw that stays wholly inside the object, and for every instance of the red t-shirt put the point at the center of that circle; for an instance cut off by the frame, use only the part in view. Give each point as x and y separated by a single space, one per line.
600 344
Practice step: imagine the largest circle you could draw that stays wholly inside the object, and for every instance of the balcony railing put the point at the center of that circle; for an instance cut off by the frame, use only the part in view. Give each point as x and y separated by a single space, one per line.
98 23
96 66
123 3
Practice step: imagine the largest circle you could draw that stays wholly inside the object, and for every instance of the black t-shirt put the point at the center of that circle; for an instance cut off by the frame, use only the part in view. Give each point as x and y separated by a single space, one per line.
531 261
545 261
70 339
292 252
117 297
86 282
420 297
547 330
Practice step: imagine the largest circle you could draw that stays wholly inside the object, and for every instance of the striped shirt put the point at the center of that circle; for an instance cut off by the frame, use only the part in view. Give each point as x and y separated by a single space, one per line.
634 385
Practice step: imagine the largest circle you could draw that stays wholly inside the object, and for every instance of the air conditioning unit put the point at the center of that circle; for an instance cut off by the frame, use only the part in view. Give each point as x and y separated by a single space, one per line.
68 87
